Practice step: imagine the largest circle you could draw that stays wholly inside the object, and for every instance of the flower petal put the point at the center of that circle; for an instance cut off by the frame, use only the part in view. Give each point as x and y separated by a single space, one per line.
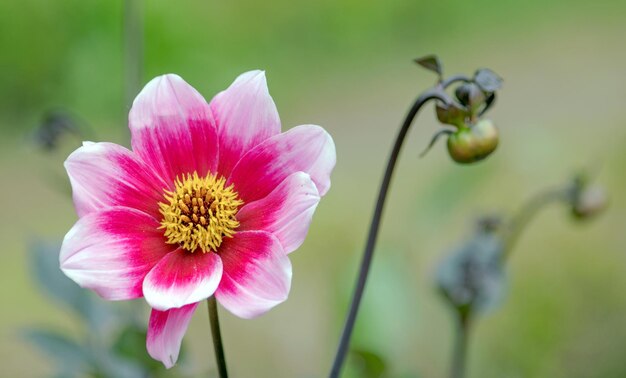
181 278
308 148
172 128
112 250
245 115
286 212
106 174
165 333
257 274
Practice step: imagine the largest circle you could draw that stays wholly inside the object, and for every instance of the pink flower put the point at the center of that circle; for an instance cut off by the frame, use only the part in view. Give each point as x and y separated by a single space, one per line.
210 201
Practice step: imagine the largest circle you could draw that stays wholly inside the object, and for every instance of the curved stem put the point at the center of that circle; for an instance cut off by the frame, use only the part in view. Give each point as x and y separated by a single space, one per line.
460 348
217 337
453 79
434 93
519 221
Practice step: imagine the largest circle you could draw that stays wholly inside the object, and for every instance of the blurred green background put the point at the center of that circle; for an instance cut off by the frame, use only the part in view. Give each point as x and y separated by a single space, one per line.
346 65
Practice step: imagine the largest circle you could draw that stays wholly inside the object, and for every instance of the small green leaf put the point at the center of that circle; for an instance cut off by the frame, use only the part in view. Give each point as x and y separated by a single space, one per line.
451 114
434 140
431 63
487 80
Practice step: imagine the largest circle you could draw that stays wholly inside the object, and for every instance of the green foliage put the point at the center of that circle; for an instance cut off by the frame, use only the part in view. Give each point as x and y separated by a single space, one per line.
114 344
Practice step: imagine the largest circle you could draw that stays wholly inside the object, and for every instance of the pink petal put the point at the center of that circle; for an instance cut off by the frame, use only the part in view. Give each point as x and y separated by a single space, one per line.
181 278
172 128
111 251
165 333
286 212
257 274
245 115
106 174
308 148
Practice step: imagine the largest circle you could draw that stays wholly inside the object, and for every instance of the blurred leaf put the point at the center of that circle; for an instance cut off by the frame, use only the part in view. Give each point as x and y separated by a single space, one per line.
431 63
472 278
111 365
72 358
52 281
131 345
487 80
367 364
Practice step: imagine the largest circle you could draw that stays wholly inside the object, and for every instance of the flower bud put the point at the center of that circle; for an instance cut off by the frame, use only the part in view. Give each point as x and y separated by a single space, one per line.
589 202
468 145
470 95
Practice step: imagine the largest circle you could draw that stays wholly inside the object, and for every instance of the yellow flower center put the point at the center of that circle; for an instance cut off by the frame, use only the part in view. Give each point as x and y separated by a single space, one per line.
200 212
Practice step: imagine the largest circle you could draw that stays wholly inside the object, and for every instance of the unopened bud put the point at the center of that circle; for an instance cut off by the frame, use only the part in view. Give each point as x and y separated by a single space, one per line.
589 202
470 95
471 144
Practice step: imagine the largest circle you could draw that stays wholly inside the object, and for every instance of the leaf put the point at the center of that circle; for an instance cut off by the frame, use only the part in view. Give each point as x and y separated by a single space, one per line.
110 365
131 345
434 140
45 266
71 357
431 63
487 80
44 260
367 364
451 114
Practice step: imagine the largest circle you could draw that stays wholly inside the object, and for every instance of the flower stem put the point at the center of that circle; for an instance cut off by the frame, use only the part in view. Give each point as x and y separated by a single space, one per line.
438 93
217 337
460 347
522 218
516 225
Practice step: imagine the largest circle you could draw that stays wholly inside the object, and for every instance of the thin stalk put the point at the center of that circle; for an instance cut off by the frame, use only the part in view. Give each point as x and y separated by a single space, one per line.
217 337
459 356
435 93
526 214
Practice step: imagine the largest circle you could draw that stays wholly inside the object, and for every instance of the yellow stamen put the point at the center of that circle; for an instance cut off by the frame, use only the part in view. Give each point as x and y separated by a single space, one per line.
199 212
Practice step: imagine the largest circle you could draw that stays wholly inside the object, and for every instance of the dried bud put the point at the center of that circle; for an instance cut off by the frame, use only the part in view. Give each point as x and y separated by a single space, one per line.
589 202
468 145
470 95
472 279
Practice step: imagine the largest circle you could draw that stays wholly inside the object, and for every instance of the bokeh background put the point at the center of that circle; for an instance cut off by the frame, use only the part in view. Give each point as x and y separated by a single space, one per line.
347 65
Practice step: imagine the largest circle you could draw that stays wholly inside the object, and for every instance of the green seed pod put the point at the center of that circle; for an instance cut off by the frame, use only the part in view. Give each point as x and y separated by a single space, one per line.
461 146
474 143
487 137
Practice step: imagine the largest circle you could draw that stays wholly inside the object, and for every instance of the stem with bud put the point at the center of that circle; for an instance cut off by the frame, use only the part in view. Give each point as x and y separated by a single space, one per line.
435 93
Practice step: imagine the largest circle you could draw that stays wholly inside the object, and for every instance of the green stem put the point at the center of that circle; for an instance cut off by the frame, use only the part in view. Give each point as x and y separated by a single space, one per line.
526 214
459 356
435 93
217 337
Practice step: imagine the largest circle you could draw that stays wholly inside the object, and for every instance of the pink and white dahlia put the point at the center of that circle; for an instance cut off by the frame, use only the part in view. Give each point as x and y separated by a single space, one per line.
210 201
